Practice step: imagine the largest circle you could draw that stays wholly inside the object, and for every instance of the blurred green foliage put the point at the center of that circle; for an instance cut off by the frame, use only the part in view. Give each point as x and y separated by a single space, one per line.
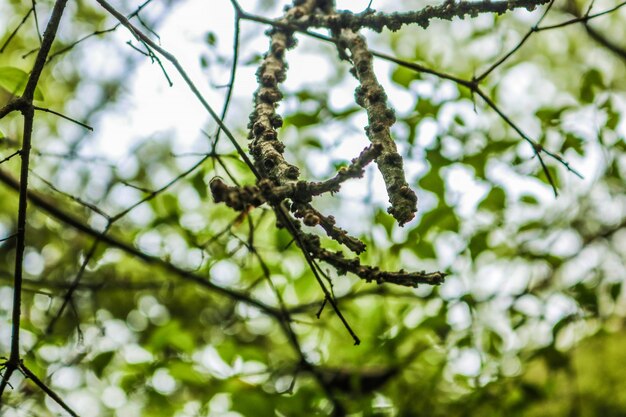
529 322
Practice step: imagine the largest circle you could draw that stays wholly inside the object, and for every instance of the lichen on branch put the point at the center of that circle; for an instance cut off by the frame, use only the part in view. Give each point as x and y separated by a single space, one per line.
394 21
265 147
372 97
368 273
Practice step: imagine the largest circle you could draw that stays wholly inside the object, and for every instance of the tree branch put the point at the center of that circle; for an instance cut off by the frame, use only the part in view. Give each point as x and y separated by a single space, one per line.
394 21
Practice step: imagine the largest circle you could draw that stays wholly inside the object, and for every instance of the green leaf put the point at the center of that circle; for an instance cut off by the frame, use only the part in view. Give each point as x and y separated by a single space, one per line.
433 182
554 358
425 107
197 181
312 142
615 290
173 336
100 362
403 76
592 80
612 116
550 116
564 322
14 81
252 403
425 250
385 220
494 201
478 243
442 218
345 113
185 372
573 142
302 119
553 174
529 199
211 39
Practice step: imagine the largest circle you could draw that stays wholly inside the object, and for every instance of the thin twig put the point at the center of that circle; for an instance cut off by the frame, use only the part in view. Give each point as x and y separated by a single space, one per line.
64 117
28 112
12 35
30 375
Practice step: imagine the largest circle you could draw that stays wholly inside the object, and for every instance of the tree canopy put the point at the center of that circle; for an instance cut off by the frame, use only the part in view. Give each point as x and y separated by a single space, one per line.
313 207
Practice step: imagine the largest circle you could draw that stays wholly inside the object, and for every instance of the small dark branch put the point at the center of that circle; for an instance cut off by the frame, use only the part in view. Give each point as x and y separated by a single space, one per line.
285 220
29 53
243 198
15 104
146 54
154 58
4 239
30 375
64 117
585 18
421 68
46 44
372 97
149 29
320 309
394 21
8 368
26 107
378 291
359 380
355 170
537 149
231 80
572 7
78 200
286 318
265 147
28 113
34 2
54 209
238 198
139 9
84 38
237 7
369 273
154 193
12 35
96 33
516 47
311 217
562 161
109 284
67 299
10 156
618 50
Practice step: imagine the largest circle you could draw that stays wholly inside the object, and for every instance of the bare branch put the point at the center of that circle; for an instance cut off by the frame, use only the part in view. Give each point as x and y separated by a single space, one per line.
394 21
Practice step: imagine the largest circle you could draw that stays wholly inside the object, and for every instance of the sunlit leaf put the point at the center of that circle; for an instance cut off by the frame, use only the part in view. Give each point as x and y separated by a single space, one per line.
14 80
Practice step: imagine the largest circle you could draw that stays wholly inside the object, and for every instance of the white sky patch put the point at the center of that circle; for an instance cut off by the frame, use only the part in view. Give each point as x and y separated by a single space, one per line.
467 362
163 382
212 362
67 378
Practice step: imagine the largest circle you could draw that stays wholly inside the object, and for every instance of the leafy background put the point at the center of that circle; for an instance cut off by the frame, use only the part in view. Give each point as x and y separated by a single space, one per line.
529 322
